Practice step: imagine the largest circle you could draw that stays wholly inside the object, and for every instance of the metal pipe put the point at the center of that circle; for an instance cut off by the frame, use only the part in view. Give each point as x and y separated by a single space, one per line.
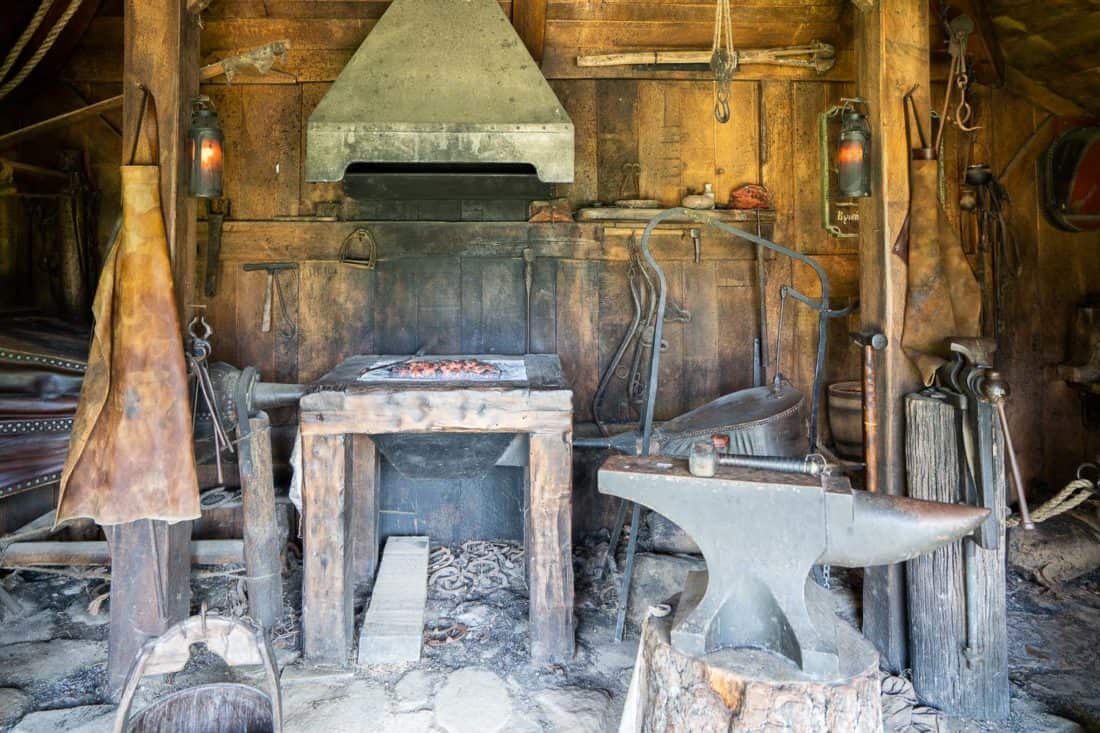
870 419
628 571
1014 464
579 442
870 343
971 652
995 390
267 395
812 465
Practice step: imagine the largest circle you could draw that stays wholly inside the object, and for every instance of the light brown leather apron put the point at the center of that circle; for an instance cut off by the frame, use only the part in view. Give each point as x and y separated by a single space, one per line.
943 298
131 455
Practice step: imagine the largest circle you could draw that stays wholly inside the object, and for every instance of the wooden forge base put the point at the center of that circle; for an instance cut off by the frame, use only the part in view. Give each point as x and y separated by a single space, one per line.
749 690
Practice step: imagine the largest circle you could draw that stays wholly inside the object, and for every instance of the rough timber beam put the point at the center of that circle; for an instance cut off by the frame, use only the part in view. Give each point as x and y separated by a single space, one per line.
161 52
150 559
529 19
892 55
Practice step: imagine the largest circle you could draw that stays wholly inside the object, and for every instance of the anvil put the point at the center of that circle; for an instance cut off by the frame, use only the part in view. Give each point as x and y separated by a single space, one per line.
761 532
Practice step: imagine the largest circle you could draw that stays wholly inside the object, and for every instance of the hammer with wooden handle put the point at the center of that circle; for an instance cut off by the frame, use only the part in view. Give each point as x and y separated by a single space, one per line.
272 269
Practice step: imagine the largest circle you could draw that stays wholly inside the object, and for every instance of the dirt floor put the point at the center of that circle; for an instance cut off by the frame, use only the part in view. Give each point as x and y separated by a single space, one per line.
474 675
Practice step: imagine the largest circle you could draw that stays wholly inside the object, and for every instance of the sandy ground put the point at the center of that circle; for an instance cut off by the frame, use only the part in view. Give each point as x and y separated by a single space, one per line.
53 658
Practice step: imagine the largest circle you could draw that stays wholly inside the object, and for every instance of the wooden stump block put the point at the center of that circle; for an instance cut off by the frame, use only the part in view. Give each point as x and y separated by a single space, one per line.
951 671
749 689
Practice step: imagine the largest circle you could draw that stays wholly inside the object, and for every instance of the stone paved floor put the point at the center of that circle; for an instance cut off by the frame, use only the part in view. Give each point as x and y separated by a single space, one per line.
52 661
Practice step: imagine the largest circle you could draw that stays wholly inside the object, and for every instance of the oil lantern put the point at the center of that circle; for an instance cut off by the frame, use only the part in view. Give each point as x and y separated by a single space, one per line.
206 150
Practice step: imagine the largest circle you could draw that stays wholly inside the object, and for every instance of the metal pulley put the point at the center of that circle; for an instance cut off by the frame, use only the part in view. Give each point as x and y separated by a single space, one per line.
723 60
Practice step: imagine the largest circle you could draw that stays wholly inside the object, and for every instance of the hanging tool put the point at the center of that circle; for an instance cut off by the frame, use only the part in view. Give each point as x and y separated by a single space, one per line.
274 287
529 285
959 31
217 210
360 238
204 393
696 244
925 151
815 55
998 251
995 390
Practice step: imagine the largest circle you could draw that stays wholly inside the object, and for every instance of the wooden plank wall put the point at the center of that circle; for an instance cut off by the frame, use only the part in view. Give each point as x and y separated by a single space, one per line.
467 296
662 128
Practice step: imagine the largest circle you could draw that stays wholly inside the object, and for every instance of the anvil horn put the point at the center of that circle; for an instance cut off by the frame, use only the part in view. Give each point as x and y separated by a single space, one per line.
865 529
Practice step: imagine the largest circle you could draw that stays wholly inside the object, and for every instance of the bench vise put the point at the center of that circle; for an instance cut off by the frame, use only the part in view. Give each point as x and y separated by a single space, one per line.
761 532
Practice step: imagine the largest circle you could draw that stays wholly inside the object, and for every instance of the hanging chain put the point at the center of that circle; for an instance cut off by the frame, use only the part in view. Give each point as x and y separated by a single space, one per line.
723 60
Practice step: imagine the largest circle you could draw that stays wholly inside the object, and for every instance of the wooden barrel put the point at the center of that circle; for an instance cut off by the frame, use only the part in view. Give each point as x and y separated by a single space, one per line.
846 418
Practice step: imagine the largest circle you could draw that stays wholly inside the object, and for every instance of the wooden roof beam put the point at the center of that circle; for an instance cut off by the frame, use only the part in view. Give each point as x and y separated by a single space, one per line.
529 20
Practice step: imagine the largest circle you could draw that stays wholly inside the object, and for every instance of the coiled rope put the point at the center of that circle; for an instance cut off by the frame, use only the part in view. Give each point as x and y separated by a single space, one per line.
47 44
1075 493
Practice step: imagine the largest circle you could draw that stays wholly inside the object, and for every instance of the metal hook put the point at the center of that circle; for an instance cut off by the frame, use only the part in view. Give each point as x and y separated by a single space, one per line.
722 111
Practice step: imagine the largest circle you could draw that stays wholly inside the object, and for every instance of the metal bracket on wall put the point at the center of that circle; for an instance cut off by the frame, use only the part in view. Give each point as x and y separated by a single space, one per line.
216 211
823 140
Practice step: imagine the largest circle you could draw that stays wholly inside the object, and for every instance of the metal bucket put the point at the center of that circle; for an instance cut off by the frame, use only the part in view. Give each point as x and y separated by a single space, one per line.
215 708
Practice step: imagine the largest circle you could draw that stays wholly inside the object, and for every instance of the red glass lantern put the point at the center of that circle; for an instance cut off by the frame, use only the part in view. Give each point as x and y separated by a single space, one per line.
853 156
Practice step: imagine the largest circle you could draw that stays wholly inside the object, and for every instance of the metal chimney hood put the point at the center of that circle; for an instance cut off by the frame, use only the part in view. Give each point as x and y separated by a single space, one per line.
440 82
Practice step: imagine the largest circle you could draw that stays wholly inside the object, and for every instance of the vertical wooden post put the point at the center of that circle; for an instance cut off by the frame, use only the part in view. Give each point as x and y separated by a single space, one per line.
529 20
161 53
150 559
150 588
549 546
363 501
893 55
263 550
328 614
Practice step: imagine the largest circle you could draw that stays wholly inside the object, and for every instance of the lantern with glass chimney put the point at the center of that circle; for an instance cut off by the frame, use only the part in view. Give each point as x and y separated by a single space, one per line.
205 149
853 155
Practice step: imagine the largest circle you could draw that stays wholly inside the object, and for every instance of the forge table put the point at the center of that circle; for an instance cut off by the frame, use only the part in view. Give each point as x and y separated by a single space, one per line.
341 475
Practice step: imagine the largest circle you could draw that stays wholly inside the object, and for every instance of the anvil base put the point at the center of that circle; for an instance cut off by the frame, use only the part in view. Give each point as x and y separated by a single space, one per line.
843 659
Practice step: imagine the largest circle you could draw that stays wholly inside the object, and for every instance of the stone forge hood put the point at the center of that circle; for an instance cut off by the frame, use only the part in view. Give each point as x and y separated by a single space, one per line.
440 82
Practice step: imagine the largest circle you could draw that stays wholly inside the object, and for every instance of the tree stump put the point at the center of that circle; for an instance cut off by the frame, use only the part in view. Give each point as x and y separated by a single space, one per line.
749 689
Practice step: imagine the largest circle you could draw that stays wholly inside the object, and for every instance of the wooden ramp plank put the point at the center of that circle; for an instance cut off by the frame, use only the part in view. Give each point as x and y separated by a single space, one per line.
394 624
